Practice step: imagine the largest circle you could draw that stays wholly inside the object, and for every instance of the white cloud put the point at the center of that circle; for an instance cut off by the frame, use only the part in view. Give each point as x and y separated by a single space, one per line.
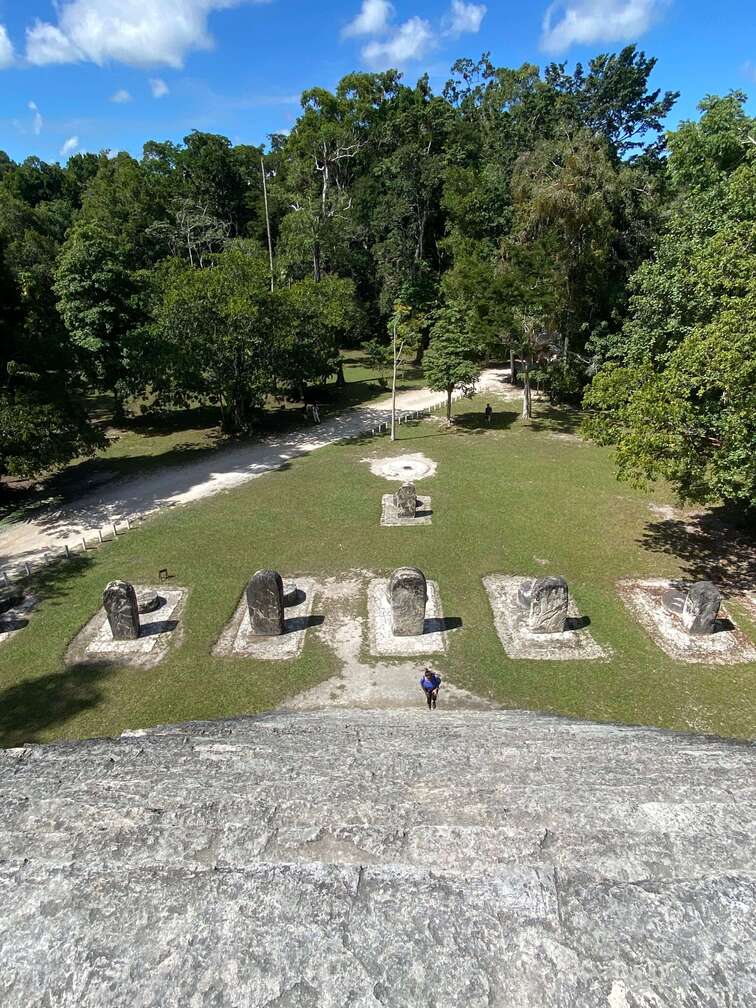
6 49
137 32
582 22
69 146
410 41
121 96
464 17
159 87
373 19
37 120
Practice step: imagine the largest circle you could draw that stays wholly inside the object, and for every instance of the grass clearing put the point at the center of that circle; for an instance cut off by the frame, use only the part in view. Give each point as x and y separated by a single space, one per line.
505 499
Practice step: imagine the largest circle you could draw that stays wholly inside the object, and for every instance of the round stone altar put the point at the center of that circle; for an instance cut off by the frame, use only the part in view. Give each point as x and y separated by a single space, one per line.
149 601
403 468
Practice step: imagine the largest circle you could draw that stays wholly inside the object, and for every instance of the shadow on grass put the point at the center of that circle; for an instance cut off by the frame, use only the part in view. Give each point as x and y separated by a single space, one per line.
51 582
710 548
477 423
555 419
35 705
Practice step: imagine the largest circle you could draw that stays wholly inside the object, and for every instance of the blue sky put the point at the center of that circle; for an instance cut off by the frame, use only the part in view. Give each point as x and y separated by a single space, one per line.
95 74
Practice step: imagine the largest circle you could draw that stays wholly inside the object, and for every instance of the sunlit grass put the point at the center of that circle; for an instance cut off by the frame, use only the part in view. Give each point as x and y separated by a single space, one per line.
504 499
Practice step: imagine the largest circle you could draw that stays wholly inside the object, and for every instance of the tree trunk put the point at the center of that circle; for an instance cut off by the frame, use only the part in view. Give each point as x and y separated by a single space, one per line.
340 376
512 367
527 410
393 395
119 413
397 349
449 391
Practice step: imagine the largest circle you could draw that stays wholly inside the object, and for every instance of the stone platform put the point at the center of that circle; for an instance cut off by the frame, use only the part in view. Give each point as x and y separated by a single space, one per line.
410 860
391 517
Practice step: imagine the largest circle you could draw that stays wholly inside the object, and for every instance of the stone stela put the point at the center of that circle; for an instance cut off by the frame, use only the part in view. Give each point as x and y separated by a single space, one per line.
122 608
545 602
408 596
405 501
265 600
698 607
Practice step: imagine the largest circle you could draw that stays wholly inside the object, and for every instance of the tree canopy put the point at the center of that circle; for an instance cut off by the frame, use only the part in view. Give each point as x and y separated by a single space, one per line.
538 214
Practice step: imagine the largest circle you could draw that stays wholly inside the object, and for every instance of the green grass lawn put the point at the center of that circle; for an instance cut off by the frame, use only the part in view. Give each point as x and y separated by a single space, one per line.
503 498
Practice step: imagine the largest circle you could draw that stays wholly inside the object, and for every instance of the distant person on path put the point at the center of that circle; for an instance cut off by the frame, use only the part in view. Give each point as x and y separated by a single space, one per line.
430 685
489 412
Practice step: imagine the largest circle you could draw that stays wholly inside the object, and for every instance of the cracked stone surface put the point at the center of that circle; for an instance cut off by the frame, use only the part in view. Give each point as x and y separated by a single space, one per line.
501 859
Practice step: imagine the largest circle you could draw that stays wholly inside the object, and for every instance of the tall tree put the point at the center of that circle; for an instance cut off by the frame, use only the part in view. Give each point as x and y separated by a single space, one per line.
677 397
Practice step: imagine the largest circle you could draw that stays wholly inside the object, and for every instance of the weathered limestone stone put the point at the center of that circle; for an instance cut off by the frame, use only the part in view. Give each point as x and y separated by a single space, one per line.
292 595
149 601
120 602
408 595
546 601
405 500
265 600
697 607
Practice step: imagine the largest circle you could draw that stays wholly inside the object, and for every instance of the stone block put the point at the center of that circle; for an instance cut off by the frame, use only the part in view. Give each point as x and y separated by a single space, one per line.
408 596
546 601
265 600
122 608
405 500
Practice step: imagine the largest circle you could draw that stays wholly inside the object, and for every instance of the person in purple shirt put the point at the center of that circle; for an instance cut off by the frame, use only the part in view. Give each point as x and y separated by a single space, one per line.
430 685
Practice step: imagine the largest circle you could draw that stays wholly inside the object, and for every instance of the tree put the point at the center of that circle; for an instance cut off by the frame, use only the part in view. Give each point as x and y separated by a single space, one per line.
215 334
449 362
97 301
404 329
677 396
316 320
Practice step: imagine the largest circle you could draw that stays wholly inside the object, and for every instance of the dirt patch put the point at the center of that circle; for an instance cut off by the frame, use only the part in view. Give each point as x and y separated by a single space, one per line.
727 646
570 438
403 468
390 516
576 643
159 630
237 637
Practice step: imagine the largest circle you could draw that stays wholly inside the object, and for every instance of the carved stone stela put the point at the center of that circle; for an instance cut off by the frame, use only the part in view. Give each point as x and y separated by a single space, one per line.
408 595
122 607
265 600
545 602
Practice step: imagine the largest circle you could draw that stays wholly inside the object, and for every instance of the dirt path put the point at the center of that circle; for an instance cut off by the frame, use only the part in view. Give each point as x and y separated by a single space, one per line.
52 529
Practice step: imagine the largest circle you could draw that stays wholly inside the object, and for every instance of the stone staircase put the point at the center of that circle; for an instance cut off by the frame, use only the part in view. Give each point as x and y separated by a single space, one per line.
447 860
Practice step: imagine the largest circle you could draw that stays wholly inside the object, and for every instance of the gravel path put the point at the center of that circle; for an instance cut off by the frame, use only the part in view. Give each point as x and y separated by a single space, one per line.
52 529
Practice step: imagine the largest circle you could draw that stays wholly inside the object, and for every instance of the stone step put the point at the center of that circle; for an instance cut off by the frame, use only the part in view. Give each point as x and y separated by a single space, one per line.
352 858
307 935
133 838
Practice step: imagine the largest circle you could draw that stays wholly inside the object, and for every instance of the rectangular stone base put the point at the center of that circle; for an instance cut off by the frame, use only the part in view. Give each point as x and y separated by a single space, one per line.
238 639
157 629
575 644
727 646
389 515
382 638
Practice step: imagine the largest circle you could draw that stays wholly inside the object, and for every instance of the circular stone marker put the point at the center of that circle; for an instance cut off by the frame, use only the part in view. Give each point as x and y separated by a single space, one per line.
149 601
292 595
403 468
